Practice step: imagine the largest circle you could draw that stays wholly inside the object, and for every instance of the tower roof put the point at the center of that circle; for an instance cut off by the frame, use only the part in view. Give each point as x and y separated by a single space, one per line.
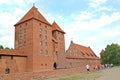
55 26
33 13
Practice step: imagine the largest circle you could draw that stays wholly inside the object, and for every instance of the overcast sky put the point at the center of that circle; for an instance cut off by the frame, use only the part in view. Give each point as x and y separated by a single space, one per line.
93 23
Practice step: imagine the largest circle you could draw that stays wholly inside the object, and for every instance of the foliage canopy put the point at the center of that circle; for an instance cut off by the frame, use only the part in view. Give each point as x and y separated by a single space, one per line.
1 47
111 54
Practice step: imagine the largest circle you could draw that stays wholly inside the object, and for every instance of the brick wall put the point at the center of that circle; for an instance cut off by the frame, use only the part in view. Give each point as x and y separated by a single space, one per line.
74 63
40 75
17 64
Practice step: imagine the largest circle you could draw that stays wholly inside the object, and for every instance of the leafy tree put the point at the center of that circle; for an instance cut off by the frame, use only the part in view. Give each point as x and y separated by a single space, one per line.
11 48
1 47
7 48
111 54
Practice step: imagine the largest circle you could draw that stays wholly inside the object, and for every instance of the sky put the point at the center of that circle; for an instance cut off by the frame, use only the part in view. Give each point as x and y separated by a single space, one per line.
94 23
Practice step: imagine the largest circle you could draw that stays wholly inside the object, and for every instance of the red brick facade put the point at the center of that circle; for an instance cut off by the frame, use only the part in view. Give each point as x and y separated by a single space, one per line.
39 45
79 56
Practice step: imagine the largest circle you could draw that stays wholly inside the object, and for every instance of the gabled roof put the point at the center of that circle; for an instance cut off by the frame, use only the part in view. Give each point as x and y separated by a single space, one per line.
55 26
86 51
35 14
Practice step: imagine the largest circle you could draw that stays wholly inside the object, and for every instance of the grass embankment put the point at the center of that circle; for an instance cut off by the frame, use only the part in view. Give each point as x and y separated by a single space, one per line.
93 75
83 76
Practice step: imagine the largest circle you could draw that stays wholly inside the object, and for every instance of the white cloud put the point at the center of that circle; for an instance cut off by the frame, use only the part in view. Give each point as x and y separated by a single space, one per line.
7 29
84 15
99 41
57 17
52 18
104 8
19 3
4 1
7 21
96 3
94 24
105 34
85 21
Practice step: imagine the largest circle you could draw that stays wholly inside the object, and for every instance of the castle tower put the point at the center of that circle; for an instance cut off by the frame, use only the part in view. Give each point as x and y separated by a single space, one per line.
33 37
58 34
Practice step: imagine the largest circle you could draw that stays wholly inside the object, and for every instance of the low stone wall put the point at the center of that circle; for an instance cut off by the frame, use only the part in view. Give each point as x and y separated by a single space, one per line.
40 75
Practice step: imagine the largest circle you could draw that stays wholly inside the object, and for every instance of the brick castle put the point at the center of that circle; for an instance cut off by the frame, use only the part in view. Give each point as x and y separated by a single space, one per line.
40 46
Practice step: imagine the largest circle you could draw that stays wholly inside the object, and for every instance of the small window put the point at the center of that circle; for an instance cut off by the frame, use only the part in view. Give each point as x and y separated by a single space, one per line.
45 26
45 64
24 30
46 52
87 54
24 43
7 70
20 31
40 43
40 30
40 24
56 52
40 35
12 57
41 51
83 54
24 36
20 44
20 37
20 26
26 23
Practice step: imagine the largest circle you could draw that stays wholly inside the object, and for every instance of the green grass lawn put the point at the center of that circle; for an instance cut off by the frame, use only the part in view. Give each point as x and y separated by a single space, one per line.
83 76
93 75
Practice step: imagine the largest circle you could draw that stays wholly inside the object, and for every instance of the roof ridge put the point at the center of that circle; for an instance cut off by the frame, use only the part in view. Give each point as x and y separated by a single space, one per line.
33 13
84 49
55 26
80 45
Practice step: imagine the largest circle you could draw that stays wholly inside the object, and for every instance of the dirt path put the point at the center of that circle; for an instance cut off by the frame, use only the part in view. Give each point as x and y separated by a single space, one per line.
110 74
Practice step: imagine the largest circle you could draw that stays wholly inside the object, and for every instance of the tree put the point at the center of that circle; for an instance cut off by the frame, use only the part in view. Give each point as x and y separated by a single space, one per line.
111 54
1 47
7 48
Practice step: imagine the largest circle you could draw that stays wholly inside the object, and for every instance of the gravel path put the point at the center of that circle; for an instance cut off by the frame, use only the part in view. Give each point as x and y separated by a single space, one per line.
110 74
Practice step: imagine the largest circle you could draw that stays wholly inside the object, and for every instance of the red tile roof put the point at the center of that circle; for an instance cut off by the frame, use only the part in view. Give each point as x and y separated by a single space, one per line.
55 26
86 51
33 13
